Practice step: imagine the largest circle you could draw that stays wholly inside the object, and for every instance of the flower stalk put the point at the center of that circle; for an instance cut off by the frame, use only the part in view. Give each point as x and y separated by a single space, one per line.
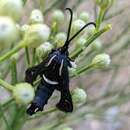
6 85
77 51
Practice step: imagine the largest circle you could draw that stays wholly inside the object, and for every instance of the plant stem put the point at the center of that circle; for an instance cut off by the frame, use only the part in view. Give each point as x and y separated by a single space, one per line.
77 51
27 56
13 72
82 69
34 57
13 51
6 85
43 113
41 3
4 118
100 18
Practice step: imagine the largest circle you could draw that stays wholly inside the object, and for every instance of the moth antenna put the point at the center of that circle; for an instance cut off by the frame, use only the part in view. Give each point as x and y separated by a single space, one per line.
65 46
91 23
69 28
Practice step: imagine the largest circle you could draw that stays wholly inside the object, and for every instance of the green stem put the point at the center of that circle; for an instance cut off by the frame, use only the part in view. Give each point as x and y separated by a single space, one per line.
34 57
82 69
42 2
27 55
43 113
13 72
11 52
100 18
7 103
77 51
19 119
6 85
4 118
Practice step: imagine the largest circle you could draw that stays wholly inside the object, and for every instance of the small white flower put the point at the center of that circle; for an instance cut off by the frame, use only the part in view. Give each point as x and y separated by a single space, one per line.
24 28
101 60
12 8
79 96
60 39
81 42
96 45
43 49
36 16
8 32
58 16
104 3
84 16
36 34
23 93
77 25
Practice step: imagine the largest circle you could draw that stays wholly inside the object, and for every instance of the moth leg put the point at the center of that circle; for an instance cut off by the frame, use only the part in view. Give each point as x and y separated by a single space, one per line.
43 93
65 104
32 73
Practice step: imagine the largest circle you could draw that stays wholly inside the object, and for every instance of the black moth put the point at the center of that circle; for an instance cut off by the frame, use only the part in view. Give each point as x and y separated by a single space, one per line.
54 75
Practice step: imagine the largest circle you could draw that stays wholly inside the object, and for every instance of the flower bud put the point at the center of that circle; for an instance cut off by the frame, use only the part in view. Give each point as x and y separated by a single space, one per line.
84 16
36 34
23 93
36 17
24 28
67 128
8 32
60 39
101 60
96 45
57 16
79 96
12 8
104 4
77 25
81 42
43 50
